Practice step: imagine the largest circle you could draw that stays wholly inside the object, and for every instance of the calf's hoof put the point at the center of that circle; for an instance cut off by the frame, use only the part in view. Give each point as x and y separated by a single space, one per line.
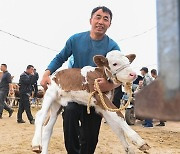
37 149
144 147
129 150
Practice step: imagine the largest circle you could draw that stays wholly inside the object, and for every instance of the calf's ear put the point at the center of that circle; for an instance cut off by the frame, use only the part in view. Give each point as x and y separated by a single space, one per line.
100 61
131 57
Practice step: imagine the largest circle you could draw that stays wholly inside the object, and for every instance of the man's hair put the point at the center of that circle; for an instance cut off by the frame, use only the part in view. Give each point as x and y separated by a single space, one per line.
104 9
153 71
4 65
145 69
29 66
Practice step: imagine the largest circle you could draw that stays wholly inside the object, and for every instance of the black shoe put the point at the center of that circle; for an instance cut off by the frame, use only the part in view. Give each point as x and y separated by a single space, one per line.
32 121
11 112
21 121
161 124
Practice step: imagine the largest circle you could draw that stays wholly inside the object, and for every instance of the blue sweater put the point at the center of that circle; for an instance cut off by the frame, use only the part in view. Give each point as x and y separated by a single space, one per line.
83 48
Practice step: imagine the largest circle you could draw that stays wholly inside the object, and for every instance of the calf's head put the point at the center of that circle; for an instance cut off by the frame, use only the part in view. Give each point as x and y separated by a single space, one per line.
118 65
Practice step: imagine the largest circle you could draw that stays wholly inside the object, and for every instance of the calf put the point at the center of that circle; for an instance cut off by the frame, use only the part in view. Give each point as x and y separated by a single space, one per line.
71 85
38 99
13 96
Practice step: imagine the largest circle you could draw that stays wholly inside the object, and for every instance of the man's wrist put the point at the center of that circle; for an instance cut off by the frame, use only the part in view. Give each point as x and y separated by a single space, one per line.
47 72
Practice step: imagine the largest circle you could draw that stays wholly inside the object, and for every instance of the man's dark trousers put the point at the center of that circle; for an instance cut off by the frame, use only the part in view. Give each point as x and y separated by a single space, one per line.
81 130
24 104
3 105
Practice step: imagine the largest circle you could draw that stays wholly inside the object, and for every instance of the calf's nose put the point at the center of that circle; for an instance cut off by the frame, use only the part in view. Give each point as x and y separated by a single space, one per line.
132 74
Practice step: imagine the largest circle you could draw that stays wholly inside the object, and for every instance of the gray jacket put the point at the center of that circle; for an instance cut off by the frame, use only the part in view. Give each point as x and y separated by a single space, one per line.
147 79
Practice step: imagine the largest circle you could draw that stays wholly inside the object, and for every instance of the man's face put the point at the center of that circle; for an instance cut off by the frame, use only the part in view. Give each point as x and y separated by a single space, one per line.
3 68
143 72
30 71
140 83
100 22
153 75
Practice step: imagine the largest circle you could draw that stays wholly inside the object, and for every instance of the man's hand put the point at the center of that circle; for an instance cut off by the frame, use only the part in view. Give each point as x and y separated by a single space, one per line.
104 85
46 80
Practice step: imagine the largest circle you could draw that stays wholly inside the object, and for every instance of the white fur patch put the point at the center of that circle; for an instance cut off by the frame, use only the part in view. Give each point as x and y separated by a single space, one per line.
118 58
81 97
85 70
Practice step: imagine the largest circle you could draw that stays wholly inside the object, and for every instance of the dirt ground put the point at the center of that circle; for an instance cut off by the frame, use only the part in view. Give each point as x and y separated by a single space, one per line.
16 138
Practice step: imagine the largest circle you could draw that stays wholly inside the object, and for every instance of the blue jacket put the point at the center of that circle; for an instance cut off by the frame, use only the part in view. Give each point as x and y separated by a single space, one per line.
83 48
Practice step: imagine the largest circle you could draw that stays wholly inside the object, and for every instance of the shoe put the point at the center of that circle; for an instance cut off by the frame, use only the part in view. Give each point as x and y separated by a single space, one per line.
148 125
11 112
21 121
161 124
32 121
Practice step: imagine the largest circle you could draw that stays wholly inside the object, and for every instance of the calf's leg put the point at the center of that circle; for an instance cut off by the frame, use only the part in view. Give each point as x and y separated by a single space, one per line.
117 123
49 98
133 136
112 119
48 128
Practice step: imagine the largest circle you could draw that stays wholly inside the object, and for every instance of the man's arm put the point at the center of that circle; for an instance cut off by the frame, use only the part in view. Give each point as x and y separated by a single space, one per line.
56 63
61 57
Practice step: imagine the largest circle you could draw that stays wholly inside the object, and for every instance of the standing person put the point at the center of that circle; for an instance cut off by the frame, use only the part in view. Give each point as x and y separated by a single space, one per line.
81 130
118 94
25 89
139 87
35 86
147 79
154 75
5 86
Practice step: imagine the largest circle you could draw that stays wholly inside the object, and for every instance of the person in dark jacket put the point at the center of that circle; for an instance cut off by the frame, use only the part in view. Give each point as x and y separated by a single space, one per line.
118 94
4 90
35 85
25 90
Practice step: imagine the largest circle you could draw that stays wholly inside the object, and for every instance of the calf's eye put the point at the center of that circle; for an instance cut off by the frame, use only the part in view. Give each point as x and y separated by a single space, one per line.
114 64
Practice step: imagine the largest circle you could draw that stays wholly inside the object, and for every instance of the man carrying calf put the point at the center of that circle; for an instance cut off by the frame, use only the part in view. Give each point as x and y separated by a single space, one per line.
79 139
83 46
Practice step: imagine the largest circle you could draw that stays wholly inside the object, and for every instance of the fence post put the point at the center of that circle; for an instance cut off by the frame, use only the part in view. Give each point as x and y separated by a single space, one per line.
161 99
168 36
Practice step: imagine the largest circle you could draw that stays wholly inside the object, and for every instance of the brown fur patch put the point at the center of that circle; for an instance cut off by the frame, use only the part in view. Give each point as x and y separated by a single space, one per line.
131 57
72 80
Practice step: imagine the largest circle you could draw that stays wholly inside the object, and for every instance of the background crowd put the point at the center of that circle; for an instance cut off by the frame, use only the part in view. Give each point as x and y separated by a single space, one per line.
28 87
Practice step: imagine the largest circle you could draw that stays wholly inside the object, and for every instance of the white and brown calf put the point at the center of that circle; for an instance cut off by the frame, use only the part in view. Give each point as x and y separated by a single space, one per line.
75 85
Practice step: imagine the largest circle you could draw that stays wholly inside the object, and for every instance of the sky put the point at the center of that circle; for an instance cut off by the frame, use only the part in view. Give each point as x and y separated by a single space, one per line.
41 28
